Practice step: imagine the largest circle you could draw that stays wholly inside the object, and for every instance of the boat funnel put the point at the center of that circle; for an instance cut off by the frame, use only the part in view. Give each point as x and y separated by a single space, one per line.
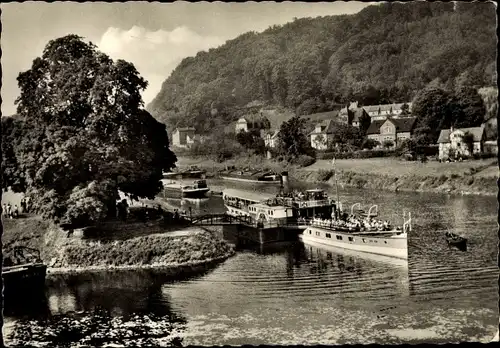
284 181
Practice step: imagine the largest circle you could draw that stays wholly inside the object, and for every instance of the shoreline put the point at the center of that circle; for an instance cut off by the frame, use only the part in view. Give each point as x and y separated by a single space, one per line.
156 266
391 175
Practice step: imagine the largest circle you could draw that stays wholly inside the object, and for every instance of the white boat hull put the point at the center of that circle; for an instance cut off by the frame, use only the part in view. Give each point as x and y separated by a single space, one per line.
393 246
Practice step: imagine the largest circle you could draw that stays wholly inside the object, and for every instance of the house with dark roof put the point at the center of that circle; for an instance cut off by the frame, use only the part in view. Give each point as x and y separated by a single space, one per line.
252 122
391 129
183 137
322 135
454 141
381 112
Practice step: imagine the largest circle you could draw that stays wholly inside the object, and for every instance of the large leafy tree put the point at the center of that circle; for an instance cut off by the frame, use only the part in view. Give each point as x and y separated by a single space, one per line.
437 109
84 134
471 109
292 142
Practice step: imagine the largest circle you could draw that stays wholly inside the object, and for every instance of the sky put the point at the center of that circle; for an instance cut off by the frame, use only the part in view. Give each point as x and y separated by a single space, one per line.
155 37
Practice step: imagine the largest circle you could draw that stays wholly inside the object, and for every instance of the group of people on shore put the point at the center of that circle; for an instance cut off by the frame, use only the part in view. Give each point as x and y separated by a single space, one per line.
14 211
351 223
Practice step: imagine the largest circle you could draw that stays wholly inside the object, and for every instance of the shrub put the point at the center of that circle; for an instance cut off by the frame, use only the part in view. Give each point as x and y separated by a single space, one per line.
369 144
324 175
387 144
304 160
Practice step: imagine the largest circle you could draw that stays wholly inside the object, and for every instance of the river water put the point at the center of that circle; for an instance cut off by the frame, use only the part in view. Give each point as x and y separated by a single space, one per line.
310 294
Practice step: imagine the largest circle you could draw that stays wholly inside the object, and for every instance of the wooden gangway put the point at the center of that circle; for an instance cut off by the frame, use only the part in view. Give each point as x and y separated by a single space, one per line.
220 219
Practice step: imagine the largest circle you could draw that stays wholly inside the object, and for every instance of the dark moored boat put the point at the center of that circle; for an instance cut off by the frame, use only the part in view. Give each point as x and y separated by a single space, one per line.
22 272
192 172
254 177
456 240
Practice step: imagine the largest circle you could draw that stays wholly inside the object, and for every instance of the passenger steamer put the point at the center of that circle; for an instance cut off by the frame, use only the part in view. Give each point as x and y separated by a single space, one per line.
320 220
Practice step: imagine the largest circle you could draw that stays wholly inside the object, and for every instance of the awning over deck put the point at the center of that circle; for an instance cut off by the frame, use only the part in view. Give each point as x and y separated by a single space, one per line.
247 195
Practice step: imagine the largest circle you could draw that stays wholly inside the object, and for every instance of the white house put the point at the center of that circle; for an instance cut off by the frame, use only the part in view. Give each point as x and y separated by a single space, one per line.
183 137
322 136
253 122
271 138
453 140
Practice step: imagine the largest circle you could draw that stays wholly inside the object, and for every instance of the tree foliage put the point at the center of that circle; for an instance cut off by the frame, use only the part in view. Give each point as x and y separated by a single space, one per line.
292 142
438 109
84 134
385 53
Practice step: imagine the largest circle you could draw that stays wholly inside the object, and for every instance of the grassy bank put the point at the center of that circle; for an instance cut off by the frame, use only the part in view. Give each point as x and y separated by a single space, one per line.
146 248
468 177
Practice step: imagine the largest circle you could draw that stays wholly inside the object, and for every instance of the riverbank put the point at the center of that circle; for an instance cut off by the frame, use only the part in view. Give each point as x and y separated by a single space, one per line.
176 248
469 177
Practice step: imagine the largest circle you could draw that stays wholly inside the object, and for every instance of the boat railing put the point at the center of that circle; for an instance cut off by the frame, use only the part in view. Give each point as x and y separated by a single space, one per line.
370 211
406 222
355 205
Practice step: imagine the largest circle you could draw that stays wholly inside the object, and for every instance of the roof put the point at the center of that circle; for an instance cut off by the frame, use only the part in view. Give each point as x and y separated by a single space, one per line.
385 107
248 195
404 124
185 129
375 127
477 133
358 112
327 127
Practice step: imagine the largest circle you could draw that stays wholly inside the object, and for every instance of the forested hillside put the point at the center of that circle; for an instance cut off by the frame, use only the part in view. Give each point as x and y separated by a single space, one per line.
383 54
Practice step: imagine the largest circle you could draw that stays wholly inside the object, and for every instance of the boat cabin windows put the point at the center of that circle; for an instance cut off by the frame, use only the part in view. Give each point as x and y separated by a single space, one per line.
339 237
328 235
351 239
364 241
317 233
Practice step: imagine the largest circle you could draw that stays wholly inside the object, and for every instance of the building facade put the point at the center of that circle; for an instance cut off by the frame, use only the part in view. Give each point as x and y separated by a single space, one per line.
254 122
322 136
271 138
453 142
393 130
183 137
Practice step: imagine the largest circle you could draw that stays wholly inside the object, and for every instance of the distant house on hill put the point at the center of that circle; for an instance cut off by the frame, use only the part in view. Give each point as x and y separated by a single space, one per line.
357 116
183 137
391 129
346 113
322 135
454 141
381 112
252 122
270 138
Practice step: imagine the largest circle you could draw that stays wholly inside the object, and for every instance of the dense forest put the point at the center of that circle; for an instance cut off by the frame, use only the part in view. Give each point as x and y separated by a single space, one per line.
385 53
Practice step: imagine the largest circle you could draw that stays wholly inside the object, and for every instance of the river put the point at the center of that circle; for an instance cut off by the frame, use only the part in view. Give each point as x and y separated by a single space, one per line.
306 294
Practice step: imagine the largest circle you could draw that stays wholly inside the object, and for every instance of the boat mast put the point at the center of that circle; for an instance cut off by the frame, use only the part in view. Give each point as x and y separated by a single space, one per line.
336 183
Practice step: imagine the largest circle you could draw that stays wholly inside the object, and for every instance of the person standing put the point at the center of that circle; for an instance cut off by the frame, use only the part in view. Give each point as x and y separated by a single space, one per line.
9 211
23 205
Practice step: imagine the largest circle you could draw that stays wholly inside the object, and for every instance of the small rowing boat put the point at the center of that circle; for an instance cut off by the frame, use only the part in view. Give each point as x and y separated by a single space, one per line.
455 240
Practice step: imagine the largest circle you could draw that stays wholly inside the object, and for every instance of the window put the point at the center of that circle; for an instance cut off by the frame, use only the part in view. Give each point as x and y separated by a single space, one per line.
309 232
339 237
385 241
317 233
364 241
328 235
351 239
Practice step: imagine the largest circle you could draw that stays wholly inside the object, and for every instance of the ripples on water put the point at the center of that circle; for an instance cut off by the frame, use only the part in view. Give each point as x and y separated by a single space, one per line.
310 294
